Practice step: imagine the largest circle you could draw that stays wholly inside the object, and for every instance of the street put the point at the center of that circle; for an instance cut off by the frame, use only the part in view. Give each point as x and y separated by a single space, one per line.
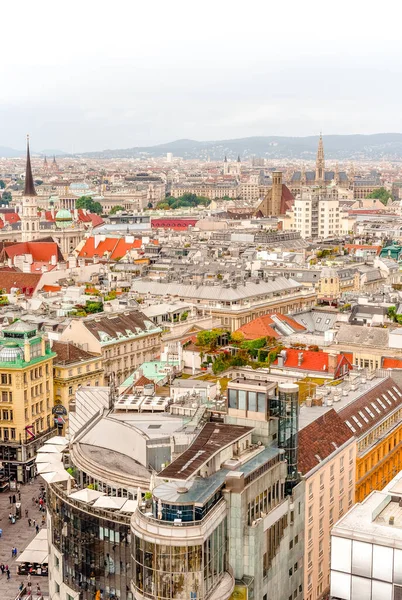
18 535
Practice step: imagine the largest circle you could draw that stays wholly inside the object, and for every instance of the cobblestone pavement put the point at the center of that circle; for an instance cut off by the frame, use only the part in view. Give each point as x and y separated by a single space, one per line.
18 535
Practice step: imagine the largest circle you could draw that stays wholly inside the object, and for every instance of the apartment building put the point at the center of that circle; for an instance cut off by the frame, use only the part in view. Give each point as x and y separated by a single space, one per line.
315 215
124 340
26 419
73 368
327 455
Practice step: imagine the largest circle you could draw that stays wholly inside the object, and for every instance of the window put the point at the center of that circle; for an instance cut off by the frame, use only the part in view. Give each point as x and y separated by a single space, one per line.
310 490
70 390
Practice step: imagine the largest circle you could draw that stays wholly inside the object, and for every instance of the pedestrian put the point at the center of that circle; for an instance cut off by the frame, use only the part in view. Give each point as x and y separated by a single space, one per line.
1 532
11 499
37 529
29 578
19 495
12 552
8 573
38 589
29 522
10 516
21 586
34 522
14 499
2 568
26 513
6 567
43 523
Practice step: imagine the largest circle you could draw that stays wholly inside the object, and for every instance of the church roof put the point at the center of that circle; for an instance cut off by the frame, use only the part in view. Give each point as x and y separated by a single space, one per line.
29 189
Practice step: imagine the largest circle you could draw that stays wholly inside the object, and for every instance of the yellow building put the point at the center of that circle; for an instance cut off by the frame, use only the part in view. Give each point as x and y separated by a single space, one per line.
73 368
375 418
26 389
333 283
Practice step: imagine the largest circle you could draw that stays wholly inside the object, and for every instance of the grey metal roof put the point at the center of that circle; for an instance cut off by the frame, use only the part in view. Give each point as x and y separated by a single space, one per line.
362 336
215 292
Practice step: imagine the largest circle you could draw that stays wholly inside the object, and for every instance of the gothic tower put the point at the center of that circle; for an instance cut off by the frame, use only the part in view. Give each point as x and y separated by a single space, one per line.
320 164
29 214
225 166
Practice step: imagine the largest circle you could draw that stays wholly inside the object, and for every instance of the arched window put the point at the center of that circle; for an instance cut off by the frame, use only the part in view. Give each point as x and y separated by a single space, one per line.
27 226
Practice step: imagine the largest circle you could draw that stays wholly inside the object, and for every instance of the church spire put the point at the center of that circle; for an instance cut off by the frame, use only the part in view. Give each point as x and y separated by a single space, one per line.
29 182
320 163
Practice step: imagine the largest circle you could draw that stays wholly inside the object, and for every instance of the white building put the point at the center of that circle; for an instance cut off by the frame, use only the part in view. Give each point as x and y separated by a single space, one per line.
366 548
316 215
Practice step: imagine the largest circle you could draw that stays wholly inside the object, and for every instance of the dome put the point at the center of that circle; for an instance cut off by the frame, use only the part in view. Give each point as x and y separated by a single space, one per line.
11 352
63 218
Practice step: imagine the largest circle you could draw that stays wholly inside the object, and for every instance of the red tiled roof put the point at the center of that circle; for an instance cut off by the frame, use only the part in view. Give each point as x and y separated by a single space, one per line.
25 282
321 438
49 216
114 247
363 247
391 363
142 381
11 218
374 405
51 288
265 326
68 353
312 361
40 251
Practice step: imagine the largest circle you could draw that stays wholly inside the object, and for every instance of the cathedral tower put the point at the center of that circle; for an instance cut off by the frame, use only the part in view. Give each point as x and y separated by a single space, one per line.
320 164
29 214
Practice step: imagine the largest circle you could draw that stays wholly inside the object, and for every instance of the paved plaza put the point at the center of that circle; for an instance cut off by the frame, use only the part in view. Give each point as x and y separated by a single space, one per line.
18 535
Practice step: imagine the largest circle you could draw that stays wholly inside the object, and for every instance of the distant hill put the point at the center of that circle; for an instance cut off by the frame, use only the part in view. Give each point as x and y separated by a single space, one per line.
6 152
341 147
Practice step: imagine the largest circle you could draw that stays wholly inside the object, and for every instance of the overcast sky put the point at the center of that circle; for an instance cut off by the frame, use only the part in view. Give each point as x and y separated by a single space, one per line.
89 75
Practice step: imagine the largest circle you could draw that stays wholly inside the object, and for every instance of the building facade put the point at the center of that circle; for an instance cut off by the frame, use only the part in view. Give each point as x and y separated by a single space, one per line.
124 340
26 419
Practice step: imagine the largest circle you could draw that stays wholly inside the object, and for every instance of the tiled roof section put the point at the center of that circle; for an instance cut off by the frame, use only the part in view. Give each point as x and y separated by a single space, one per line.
40 251
287 199
391 363
365 412
212 438
68 353
111 247
320 438
25 282
274 325
353 247
308 360
51 288
120 326
88 217
142 381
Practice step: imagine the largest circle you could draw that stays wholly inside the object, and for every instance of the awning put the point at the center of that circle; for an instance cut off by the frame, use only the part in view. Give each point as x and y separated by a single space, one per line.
110 502
56 476
86 495
33 556
45 457
49 467
130 506
57 440
50 448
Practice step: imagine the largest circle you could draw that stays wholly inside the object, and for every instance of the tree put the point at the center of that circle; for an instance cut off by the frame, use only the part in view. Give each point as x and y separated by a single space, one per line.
381 194
2 184
116 209
6 198
87 203
237 337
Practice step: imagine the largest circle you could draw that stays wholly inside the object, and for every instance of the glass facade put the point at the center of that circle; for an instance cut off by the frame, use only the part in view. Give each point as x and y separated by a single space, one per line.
96 551
166 572
251 401
185 512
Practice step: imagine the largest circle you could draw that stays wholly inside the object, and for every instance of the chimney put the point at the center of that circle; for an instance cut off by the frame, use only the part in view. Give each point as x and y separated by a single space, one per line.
332 363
